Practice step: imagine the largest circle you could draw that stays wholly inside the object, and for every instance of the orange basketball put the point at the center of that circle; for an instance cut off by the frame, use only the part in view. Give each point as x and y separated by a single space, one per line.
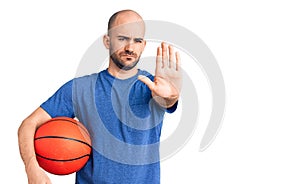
62 145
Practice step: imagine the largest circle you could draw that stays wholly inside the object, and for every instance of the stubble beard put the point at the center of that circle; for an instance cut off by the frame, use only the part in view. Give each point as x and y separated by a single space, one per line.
121 65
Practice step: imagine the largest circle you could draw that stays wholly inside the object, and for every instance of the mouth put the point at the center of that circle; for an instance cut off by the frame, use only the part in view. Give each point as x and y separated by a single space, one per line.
128 57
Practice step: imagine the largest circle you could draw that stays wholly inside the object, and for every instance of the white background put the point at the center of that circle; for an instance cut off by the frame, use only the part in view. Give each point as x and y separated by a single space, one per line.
256 44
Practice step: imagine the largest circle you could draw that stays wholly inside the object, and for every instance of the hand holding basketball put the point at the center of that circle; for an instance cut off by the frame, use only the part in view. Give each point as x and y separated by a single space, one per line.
35 174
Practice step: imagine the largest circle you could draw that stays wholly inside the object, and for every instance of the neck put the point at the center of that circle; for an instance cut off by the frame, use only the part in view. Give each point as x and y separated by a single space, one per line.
121 74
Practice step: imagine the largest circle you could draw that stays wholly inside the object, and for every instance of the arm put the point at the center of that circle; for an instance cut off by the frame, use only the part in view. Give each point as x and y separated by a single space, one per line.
167 81
26 133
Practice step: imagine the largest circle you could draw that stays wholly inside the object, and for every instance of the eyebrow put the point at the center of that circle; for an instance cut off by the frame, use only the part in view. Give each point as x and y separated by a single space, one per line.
127 37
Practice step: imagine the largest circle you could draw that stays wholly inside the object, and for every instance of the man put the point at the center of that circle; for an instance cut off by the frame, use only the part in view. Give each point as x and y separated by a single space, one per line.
122 107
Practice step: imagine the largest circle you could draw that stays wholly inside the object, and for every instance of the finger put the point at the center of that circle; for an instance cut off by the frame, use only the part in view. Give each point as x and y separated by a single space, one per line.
178 61
159 63
164 54
171 56
147 81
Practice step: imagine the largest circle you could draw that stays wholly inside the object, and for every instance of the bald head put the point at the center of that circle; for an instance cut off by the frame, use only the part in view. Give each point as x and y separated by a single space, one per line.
124 17
125 39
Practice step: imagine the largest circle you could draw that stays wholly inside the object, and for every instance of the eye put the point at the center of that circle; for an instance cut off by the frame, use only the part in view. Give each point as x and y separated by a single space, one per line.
138 40
121 39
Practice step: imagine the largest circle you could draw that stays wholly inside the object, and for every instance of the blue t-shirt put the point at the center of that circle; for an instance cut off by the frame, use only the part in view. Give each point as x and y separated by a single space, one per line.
124 122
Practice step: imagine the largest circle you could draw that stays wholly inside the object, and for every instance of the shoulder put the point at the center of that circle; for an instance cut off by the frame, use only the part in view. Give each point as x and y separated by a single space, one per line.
78 80
80 84
87 77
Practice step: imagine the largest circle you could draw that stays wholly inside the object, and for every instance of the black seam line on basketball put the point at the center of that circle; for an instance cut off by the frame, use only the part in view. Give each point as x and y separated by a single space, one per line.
70 122
61 137
63 160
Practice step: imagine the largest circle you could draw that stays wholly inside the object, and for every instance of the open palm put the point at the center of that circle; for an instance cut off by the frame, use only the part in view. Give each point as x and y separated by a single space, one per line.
167 81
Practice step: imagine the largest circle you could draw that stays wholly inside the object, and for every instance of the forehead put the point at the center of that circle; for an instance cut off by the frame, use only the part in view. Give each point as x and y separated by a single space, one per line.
133 29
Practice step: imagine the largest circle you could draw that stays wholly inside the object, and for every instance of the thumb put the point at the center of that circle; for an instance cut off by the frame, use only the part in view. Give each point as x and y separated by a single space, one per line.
147 81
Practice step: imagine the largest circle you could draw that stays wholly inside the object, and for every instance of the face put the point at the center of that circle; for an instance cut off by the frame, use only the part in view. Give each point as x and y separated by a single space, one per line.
126 44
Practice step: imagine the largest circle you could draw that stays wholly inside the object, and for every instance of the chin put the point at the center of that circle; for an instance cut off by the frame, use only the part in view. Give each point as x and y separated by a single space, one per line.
125 63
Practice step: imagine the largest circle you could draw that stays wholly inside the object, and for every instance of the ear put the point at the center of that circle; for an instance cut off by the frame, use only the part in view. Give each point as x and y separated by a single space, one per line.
106 41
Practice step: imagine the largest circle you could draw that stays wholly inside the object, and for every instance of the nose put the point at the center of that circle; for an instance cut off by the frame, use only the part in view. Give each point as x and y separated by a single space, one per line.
129 46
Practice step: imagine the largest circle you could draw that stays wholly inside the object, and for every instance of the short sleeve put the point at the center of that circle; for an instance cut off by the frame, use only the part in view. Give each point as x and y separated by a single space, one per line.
60 103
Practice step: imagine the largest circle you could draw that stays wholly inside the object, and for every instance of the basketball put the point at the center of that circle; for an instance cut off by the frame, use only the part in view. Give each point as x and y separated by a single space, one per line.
62 145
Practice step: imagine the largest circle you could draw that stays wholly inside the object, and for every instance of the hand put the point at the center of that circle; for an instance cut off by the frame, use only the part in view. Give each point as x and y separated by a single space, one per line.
35 174
167 81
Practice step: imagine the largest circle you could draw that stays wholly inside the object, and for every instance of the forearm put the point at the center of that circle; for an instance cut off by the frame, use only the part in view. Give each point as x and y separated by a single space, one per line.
26 143
26 136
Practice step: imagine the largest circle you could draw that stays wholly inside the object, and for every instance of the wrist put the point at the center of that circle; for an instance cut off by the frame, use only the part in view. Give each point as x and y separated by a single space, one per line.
171 101
166 102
